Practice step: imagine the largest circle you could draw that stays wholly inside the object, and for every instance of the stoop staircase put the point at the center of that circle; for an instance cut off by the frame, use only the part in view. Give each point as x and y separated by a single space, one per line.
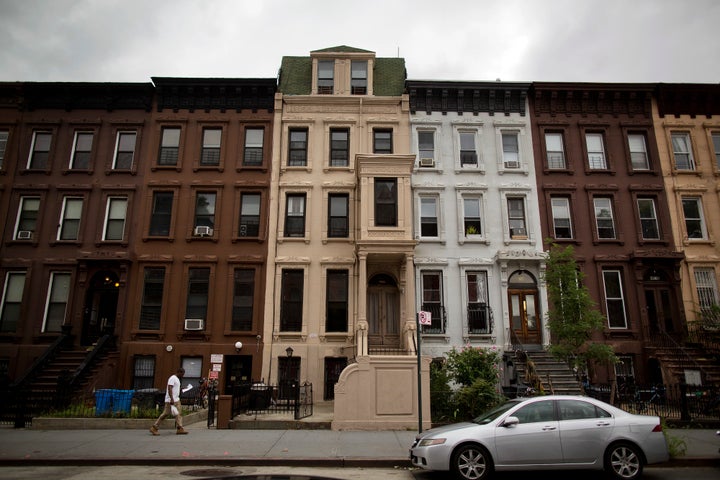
555 376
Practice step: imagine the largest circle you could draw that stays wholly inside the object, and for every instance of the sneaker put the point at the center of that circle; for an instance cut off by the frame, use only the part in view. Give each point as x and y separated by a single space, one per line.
154 430
181 431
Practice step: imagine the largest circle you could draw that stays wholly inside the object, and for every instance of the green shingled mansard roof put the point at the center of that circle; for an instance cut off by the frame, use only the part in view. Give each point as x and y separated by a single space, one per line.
389 74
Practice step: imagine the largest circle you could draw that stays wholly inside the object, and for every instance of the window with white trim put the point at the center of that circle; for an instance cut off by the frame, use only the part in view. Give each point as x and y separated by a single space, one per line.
82 149
27 221
478 309
694 218
115 215
595 151
40 150
298 147
253 153
210 154
472 216
169 146
468 150
614 298
250 215
339 147
70 218
359 77
12 301
604 218
325 76
429 216
648 219
432 301
555 151
205 205
562 223
57 300
638 151
295 215
682 151
426 148
516 218
707 292
511 150
124 150
338 215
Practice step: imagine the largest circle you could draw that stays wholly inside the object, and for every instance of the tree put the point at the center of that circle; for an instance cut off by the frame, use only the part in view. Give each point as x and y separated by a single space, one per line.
573 316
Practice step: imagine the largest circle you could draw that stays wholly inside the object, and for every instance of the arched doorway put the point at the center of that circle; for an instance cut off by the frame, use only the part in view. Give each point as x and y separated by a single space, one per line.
524 307
101 301
383 311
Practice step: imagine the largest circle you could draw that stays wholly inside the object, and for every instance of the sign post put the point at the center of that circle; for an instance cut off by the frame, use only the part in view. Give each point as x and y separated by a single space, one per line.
423 318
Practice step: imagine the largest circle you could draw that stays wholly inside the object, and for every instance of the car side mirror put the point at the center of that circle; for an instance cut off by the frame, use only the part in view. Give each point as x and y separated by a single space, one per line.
511 421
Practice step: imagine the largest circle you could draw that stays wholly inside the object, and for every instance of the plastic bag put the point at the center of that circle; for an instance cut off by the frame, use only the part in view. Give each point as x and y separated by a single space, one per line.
174 410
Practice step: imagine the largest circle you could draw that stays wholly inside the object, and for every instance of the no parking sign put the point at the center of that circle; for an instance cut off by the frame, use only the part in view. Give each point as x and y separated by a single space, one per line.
425 318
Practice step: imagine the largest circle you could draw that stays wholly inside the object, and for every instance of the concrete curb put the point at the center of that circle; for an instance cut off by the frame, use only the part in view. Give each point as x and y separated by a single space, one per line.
103 423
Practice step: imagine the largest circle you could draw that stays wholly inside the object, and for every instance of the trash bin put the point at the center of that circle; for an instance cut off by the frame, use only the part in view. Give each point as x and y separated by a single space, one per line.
103 401
122 401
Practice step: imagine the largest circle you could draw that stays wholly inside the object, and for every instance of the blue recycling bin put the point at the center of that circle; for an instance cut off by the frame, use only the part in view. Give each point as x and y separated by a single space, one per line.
122 401
103 401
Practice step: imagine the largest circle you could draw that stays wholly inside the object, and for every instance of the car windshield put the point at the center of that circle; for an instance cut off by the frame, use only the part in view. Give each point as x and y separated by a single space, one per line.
491 415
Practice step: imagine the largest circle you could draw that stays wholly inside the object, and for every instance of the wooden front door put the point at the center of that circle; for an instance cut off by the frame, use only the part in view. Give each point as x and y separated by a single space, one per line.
524 315
383 311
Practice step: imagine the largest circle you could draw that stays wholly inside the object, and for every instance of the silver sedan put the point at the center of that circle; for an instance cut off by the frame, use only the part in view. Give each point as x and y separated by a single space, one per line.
553 432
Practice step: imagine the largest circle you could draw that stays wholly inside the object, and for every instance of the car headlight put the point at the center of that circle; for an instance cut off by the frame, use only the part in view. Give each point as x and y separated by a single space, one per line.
427 442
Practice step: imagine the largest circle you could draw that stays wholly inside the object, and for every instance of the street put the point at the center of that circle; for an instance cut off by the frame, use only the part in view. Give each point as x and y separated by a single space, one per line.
307 473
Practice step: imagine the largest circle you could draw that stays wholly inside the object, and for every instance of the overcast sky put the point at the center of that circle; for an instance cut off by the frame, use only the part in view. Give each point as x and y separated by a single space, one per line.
514 40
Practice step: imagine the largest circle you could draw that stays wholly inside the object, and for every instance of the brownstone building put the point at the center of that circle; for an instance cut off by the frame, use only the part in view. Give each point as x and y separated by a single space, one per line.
601 190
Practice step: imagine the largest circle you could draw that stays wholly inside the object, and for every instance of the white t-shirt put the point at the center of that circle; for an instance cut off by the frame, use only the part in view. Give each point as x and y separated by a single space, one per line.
173 382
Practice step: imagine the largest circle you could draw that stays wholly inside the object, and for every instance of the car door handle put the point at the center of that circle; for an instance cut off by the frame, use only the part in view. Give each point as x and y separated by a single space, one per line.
603 424
549 427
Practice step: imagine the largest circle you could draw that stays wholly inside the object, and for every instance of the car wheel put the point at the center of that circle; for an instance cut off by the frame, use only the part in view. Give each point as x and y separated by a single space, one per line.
624 461
471 462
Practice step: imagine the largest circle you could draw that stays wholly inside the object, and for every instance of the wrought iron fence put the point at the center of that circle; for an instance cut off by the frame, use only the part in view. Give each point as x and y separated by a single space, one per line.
254 398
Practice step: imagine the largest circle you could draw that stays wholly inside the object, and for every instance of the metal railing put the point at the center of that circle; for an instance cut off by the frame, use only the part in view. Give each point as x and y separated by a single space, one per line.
254 398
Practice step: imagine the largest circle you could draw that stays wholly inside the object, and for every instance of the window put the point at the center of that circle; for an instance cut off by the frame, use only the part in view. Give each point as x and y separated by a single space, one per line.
210 155
614 299
468 152
579 410
555 151
205 209
382 141
338 215
648 219
4 135
326 74
295 215
682 153
595 151
359 77
478 313
27 218
193 371
543 411
715 141
243 299
562 225
56 305
254 139
432 301
694 220
291 301
161 216
604 218
115 218
40 150
516 218
143 372
428 217
339 147
297 156
638 152
70 219
472 219
249 215
125 150
12 301
511 150
385 202
152 298
625 374
707 292
197 293
336 308
82 147
426 148
169 146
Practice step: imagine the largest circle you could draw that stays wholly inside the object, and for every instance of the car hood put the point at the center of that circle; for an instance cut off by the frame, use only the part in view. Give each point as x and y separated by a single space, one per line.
454 427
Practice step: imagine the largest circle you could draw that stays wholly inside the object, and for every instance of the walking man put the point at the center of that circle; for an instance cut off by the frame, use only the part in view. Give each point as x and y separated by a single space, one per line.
172 401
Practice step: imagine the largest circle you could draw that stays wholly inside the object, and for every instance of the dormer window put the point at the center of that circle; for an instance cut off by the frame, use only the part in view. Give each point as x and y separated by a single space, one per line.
326 77
359 75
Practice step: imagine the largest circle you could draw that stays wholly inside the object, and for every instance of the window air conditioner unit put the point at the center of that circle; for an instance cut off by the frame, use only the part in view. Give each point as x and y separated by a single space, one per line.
203 231
512 164
24 234
427 162
194 324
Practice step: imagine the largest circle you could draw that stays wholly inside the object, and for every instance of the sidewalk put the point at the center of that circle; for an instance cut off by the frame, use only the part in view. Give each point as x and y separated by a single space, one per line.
205 446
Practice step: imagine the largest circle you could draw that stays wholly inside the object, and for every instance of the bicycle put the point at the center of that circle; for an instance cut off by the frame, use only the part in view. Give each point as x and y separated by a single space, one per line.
656 399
